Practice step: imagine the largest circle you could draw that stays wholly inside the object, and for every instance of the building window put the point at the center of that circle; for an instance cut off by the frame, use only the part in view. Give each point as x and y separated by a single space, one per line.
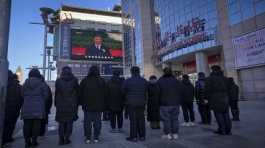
241 10
182 23
247 9
234 11
115 31
260 6
103 30
235 18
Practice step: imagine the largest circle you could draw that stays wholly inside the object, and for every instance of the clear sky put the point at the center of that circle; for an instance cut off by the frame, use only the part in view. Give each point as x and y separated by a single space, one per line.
26 40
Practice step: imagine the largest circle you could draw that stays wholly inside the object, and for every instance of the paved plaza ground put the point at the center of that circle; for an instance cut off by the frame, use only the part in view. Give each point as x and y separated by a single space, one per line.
249 133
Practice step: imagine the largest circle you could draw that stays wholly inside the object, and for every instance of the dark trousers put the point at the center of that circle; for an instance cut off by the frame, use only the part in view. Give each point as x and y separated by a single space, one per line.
126 112
9 127
65 130
106 116
169 115
116 117
205 113
137 121
223 121
188 112
234 109
92 120
31 129
43 127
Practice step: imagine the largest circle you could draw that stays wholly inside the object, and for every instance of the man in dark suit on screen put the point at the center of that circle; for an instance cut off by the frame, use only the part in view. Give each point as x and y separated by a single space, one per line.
98 50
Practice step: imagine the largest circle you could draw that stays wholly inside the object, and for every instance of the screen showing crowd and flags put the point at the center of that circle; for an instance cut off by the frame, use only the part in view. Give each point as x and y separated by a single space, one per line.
96 45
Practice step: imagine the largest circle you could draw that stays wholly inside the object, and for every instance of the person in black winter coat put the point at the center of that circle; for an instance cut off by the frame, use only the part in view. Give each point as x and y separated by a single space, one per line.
153 115
135 90
202 102
48 105
171 94
187 101
216 90
116 101
35 93
93 91
66 103
14 102
233 99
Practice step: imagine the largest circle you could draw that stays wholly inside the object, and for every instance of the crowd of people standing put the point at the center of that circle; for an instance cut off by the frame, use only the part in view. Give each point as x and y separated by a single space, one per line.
160 98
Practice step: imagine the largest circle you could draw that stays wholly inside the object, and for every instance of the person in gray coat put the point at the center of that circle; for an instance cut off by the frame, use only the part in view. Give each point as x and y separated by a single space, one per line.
34 93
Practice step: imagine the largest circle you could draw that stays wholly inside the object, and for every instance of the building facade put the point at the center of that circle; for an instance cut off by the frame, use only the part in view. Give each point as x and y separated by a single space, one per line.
243 43
80 25
190 36
138 36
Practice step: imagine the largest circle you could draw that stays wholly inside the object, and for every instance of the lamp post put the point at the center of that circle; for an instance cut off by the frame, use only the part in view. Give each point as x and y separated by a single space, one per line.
5 8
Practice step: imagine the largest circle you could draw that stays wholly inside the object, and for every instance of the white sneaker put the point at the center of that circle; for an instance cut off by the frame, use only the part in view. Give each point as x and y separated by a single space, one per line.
185 124
88 141
175 136
169 137
96 140
192 124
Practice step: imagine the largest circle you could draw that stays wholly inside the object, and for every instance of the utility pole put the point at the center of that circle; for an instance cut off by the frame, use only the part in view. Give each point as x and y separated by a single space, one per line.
49 68
5 8
45 13
45 51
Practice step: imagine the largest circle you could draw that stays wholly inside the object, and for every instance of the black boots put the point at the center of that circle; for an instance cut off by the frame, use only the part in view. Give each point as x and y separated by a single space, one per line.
61 140
31 142
64 141
34 142
67 141
131 139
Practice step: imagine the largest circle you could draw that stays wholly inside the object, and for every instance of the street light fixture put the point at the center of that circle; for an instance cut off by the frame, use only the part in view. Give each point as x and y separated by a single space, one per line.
45 12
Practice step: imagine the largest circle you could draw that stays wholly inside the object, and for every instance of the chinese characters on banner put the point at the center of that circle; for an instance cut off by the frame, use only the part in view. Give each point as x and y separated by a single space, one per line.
250 49
186 35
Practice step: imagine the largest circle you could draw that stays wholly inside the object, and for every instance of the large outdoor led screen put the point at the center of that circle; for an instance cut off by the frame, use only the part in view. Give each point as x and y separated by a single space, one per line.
96 45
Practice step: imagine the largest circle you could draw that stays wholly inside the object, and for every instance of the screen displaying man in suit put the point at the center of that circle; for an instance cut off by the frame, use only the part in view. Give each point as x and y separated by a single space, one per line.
97 49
